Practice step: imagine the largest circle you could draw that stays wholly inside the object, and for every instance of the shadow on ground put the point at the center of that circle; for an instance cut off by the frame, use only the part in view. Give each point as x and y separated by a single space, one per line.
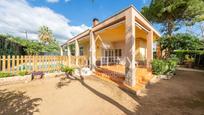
65 82
183 94
17 103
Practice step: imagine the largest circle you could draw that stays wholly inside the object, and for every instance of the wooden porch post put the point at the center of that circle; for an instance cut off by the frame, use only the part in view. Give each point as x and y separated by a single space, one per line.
76 51
61 51
92 51
68 54
149 48
130 69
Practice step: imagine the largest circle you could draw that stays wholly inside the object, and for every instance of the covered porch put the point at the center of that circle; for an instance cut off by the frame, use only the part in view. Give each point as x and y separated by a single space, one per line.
121 45
111 46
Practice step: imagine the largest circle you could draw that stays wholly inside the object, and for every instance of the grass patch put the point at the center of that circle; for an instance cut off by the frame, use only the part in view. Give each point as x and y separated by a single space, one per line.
5 74
23 73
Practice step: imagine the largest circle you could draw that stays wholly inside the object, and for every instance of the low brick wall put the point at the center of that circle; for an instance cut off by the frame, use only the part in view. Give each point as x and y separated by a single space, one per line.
27 78
15 79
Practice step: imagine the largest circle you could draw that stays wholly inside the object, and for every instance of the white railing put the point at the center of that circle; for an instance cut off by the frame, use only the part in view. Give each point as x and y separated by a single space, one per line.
111 60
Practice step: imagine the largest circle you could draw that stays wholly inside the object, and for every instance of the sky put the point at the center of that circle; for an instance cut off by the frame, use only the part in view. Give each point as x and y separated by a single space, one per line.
83 11
66 18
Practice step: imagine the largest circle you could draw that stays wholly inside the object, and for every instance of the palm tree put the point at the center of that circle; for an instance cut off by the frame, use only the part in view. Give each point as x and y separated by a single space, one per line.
45 34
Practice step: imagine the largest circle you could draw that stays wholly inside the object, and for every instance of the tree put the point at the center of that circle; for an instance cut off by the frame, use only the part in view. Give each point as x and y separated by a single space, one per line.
10 45
179 42
172 13
202 29
45 34
34 48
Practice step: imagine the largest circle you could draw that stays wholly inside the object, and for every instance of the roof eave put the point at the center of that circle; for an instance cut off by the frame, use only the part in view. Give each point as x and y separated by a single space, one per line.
123 10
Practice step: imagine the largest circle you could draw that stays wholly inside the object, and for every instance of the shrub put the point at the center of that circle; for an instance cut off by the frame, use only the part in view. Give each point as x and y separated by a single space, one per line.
163 67
67 70
5 74
196 54
172 63
159 66
189 59
23 73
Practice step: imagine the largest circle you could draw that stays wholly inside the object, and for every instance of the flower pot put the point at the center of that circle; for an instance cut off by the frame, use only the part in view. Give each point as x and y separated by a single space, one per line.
189 64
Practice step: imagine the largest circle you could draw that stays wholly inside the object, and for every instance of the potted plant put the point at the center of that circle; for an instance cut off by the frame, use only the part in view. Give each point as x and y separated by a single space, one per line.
189 61
68 71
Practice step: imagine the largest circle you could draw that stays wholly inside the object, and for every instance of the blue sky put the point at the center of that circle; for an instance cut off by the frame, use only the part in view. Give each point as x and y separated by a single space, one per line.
83 11
66 18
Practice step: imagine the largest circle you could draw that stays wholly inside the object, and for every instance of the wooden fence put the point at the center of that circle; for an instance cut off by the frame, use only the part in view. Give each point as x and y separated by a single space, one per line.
15 64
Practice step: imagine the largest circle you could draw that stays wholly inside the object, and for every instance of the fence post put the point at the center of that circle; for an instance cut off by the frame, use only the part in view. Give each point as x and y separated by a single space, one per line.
21 62
17 63
33 62
46 63
43 63
29 63
4 63
51 63
26 62
37 62
40 63
8 63
13 64
54 60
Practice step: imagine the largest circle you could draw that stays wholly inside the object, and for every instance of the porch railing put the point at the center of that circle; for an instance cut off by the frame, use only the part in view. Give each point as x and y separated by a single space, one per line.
114 60
111 60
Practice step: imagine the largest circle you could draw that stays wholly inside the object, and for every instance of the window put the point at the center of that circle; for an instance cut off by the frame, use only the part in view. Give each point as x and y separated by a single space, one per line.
106 53
81 51
118 52
113 52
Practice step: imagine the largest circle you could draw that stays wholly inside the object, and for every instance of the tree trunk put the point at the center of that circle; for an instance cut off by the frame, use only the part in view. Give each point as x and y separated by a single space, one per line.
170 25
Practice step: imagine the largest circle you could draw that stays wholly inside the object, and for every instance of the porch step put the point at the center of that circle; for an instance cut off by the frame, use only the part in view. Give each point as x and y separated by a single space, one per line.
142 79
112 76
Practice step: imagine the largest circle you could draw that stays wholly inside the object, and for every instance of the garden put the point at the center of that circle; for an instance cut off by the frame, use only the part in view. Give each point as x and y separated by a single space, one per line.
182 50
182 41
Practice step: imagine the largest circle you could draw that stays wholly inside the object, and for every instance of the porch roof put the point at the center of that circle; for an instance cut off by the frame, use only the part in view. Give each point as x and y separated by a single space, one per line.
117 18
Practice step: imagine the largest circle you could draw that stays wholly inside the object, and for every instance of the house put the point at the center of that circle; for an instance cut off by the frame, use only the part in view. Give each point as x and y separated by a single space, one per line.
125 39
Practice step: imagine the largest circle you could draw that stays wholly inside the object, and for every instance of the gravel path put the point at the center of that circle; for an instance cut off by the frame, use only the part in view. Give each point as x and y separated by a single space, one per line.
183 94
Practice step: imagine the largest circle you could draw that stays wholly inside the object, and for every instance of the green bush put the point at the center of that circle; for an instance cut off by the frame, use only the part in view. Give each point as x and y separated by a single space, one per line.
172 63
196 54
5 74
189 59
67 69
159 66
23 73
163 67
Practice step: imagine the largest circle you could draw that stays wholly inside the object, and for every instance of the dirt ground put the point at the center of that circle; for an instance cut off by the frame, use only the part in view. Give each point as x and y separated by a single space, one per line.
182 95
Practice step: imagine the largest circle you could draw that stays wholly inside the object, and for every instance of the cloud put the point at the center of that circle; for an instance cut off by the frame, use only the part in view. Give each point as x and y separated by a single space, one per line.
52 1
67 0
17 16
56 1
